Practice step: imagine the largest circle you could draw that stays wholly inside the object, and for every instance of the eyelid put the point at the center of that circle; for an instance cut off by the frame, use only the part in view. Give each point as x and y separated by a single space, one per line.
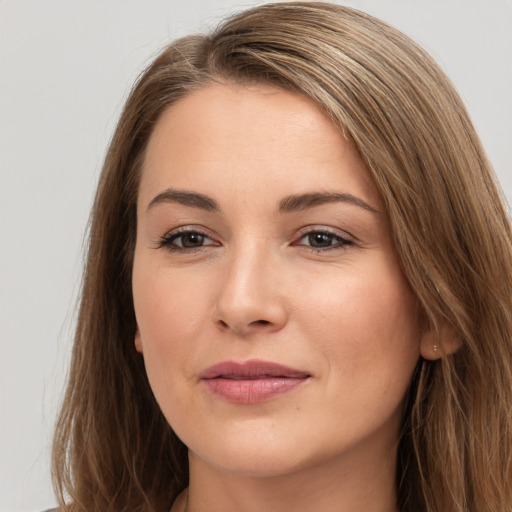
318 228
165 241
196 228
344 239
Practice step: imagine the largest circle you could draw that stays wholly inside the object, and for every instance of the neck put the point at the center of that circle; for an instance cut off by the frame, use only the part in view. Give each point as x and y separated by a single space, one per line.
344 484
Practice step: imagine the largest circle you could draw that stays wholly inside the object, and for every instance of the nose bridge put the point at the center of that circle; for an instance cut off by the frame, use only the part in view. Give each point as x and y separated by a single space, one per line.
249 298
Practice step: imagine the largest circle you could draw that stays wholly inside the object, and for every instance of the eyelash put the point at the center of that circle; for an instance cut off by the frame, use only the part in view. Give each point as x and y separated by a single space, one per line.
342 242
168 241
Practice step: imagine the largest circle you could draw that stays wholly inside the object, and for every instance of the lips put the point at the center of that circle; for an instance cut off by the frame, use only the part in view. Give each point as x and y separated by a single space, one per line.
251 381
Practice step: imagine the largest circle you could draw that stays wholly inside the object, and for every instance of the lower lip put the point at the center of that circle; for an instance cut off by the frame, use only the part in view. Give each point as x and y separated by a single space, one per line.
252 391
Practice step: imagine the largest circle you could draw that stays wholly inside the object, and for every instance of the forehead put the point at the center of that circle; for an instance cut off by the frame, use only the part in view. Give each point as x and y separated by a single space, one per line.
251 137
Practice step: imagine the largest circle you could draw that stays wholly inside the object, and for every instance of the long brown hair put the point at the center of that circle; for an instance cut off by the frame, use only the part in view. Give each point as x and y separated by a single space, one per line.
113 449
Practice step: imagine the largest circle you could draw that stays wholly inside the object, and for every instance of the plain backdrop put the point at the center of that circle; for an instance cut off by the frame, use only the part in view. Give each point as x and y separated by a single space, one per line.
66 67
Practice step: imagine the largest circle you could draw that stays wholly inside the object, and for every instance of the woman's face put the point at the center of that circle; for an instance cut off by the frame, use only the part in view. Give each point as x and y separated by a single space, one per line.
276 326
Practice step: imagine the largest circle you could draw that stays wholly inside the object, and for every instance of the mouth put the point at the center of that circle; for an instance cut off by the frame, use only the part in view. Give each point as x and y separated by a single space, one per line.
252 381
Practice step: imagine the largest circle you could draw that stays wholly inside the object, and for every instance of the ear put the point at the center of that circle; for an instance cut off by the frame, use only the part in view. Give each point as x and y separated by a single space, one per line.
138 340
437 343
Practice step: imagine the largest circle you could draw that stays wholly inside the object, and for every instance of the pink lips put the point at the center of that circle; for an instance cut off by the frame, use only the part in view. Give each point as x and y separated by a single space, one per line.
252 381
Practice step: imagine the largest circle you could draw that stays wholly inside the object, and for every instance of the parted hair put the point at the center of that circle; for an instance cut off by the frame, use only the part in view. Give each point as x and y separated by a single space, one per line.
113 449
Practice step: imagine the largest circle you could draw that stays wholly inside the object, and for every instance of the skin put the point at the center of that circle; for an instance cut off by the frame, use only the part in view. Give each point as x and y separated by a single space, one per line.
257 289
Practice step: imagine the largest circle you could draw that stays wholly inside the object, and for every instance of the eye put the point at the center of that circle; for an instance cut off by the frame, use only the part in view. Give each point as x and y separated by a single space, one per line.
323 240
185 240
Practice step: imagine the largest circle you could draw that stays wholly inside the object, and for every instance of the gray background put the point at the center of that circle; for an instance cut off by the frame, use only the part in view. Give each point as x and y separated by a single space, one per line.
65 69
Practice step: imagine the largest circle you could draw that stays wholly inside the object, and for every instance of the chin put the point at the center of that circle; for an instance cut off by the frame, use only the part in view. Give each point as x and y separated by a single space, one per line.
252 449
254 462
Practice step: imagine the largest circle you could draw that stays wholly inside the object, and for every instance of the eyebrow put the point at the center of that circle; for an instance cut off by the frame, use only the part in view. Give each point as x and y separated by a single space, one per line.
301 202
192 199
293 203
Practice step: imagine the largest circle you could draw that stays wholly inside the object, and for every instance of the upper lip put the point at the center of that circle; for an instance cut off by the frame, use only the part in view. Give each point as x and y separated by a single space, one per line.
252 369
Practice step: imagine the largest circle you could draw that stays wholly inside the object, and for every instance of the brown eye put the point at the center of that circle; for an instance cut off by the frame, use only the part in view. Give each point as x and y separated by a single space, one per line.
185 241
320 239
323 240
190 239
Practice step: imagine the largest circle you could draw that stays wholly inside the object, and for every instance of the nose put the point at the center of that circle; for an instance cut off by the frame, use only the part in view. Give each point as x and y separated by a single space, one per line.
251 295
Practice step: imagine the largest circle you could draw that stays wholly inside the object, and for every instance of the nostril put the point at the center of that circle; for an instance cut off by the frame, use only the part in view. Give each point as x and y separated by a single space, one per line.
262 322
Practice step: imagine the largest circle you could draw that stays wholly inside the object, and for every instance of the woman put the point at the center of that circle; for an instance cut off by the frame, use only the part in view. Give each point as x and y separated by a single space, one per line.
298 289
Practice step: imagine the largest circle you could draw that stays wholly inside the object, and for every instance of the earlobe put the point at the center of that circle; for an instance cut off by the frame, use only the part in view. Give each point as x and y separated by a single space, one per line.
138 340
437 343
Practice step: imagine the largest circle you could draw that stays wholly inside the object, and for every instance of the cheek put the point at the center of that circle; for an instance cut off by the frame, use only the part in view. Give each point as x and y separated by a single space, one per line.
359 304
167 304
170 318
366 324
